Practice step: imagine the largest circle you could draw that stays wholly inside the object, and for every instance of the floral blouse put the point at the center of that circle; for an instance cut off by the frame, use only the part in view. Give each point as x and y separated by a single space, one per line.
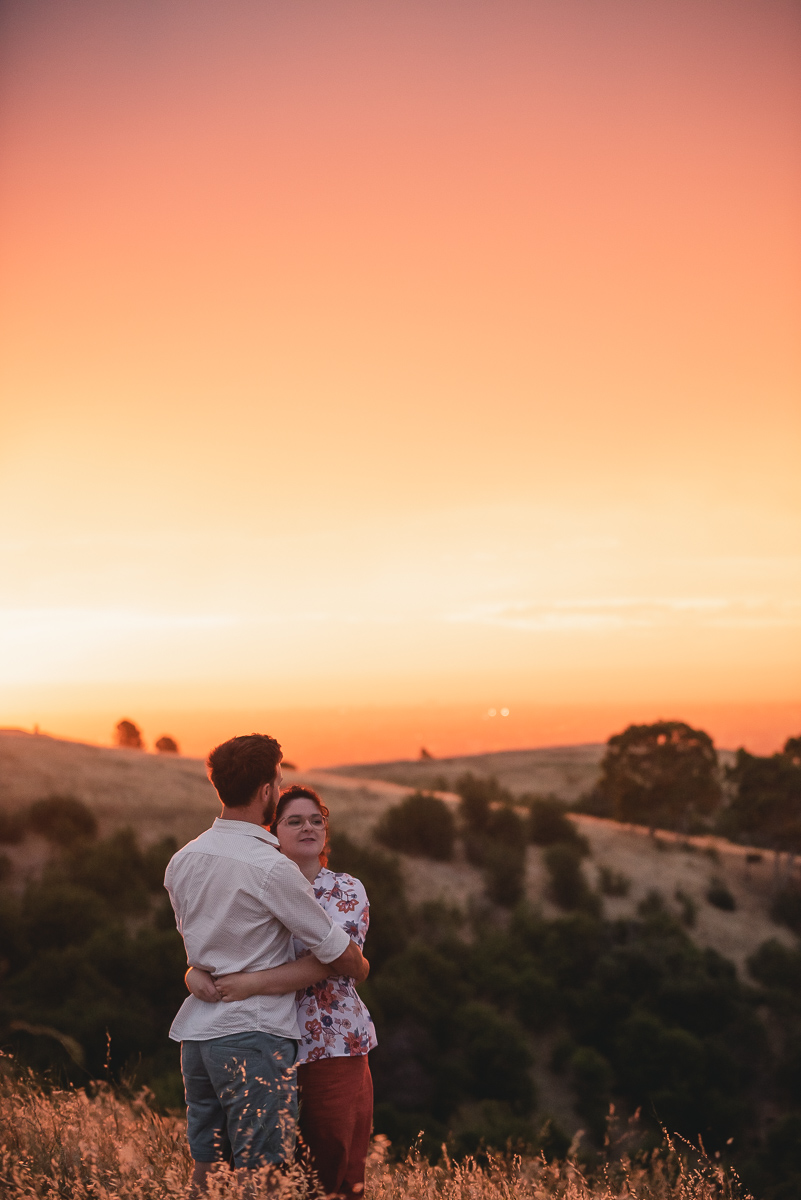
332 1020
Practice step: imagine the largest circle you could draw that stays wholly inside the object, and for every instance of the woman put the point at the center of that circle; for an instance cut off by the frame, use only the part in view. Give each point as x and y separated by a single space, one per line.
334 1083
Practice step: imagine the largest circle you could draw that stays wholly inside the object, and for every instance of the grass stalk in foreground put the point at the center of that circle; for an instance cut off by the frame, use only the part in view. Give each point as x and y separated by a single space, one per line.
97 1146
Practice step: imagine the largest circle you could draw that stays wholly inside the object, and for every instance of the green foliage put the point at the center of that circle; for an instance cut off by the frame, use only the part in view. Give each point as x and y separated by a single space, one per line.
766 806
58 914
504 872
663 775
785 908
63 820
549 823
593 1079
381 875
645 1018
12 828
115 869
776 966
689 908
613 883
719 894
421 824
478 795
568 886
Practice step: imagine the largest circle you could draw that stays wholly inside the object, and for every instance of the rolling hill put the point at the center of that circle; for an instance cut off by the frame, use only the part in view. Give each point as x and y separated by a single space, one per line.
170 794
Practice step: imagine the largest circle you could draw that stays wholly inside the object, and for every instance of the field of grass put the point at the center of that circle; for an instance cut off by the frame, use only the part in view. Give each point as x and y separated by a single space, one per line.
79 1145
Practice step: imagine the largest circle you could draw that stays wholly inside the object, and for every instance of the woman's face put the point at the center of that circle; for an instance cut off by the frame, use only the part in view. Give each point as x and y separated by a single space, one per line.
301 829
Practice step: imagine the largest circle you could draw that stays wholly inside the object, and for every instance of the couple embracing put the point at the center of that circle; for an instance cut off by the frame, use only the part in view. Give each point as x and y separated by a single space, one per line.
274 945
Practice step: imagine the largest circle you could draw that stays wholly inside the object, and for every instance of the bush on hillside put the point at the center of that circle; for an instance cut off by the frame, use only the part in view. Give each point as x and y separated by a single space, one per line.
776 966
504 872
568 886
719 894
613 883
63 820
786 907
548 823
382 877
478 795
119 870
421 824
12 828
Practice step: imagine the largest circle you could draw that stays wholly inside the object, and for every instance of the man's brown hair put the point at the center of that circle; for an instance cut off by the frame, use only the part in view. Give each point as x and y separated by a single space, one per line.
240 766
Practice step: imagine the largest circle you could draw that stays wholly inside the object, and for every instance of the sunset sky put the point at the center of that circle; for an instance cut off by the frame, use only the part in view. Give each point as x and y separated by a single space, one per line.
370 365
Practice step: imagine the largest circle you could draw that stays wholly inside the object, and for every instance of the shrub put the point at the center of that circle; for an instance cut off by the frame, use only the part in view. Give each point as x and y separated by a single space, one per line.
718 894
786 908
12 828
382 877
774 965
63 820
128 735
420 824
115 869
652 904
568 887
593 1078
548 823
506 826
478 796
504 872
60 914
613 883
689 909
166 745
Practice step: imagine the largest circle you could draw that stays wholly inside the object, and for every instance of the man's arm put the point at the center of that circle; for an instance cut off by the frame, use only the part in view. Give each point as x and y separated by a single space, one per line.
276 981
289 897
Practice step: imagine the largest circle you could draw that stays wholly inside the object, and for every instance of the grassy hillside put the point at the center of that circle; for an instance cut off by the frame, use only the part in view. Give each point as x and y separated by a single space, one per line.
164 794
564 771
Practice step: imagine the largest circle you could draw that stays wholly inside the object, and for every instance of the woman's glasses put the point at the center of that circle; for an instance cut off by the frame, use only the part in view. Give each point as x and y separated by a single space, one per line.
317 821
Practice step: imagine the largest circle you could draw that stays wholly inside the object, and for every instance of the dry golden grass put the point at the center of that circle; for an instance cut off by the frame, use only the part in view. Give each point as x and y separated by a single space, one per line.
59 1144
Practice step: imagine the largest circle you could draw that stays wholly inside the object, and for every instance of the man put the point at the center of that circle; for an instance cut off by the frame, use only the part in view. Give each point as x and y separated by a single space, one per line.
237 902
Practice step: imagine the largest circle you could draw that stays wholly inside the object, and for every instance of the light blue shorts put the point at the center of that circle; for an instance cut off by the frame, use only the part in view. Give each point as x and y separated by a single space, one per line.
241 1098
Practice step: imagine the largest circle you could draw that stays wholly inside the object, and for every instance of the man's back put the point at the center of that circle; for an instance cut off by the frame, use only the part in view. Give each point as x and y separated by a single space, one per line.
237 902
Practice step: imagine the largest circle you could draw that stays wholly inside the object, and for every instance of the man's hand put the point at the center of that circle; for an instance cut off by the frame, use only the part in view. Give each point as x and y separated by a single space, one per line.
201 984
352 963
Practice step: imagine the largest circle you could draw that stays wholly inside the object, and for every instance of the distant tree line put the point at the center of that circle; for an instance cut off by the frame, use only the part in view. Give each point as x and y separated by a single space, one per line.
128 736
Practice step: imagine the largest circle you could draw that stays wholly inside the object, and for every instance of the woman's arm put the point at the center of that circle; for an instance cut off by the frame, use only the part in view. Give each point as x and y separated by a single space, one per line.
276 981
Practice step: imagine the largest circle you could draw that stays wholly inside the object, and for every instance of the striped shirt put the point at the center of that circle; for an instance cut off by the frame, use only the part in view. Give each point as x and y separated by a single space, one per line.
238 902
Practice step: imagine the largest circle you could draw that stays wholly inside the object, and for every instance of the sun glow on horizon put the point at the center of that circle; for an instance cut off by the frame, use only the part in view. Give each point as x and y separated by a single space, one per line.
396 356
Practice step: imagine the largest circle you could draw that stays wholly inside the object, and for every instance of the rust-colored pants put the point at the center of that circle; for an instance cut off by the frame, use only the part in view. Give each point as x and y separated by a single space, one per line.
336 1118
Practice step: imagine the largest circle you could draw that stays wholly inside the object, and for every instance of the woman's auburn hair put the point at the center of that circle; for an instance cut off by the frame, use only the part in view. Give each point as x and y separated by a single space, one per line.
298 792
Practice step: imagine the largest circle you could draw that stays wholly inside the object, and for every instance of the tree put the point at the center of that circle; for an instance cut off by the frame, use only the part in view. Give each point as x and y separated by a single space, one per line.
766 806
63 820
128 735
420 824
167 745
663 775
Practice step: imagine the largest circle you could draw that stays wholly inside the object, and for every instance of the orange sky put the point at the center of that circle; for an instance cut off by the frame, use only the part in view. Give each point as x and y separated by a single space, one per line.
374 354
